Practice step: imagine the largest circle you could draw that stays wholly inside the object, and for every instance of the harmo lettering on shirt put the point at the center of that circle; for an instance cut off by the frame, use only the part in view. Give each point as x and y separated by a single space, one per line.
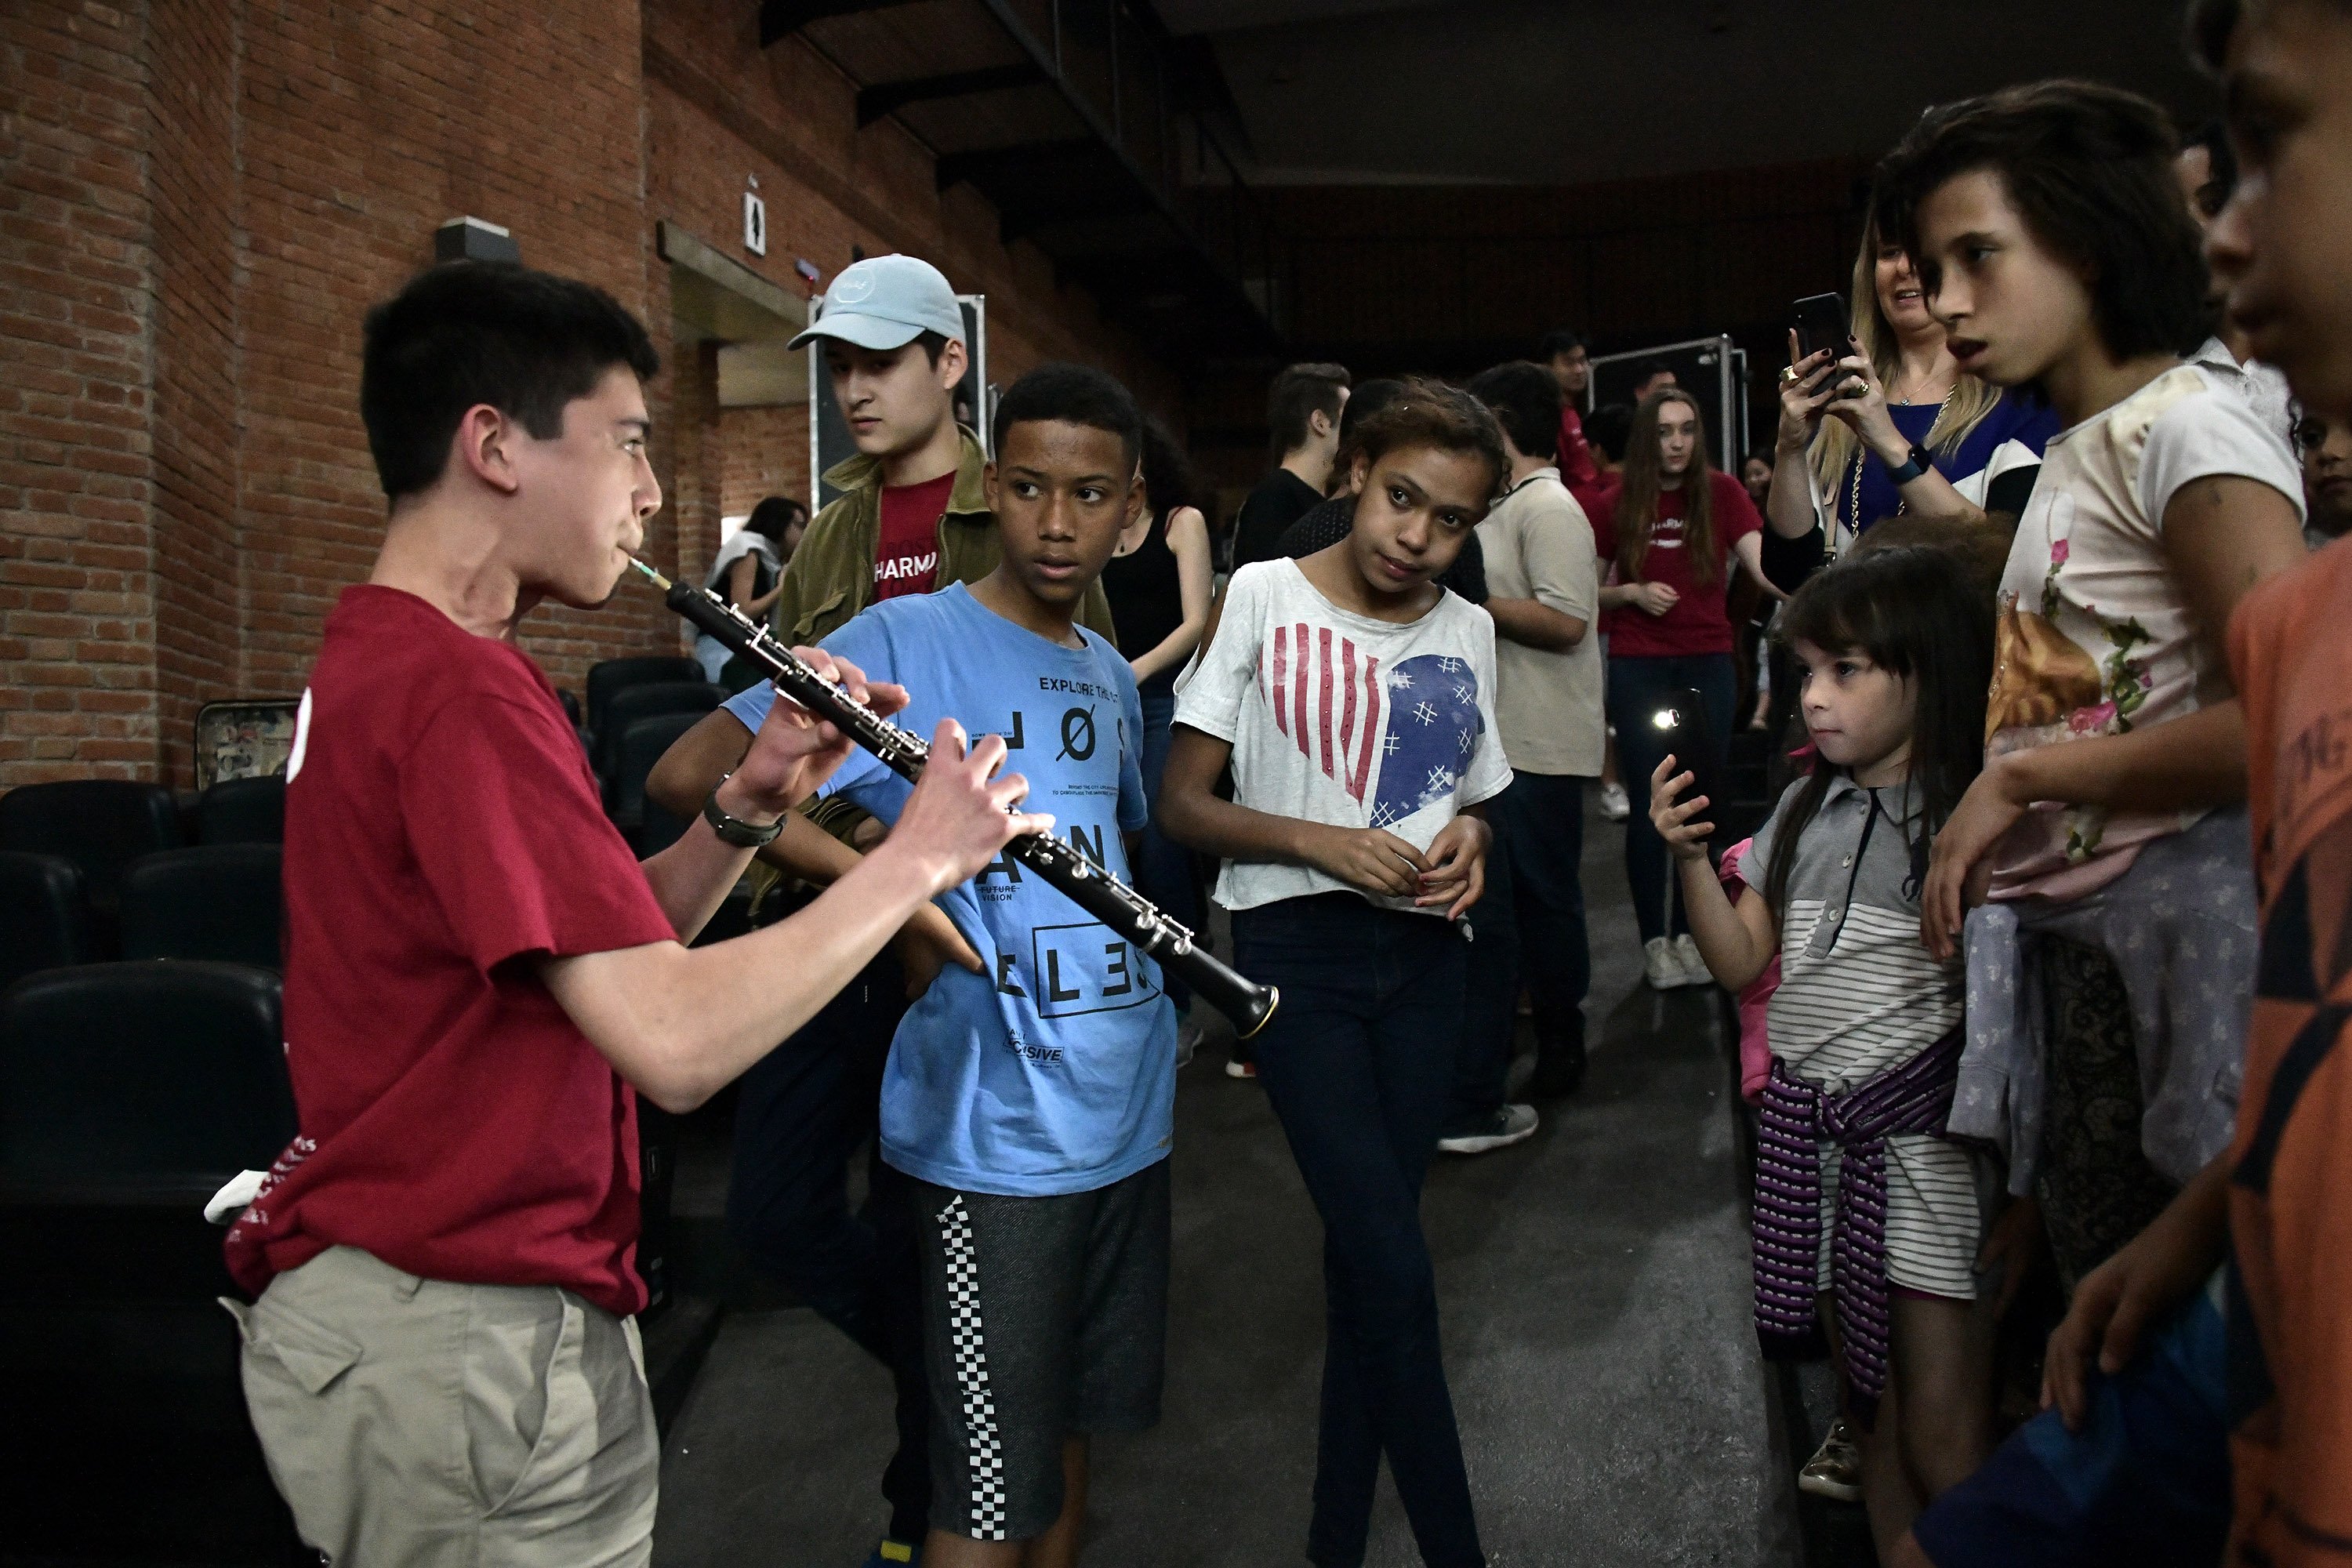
901 567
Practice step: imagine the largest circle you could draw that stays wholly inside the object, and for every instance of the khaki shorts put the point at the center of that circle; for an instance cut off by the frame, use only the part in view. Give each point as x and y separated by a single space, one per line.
415 1421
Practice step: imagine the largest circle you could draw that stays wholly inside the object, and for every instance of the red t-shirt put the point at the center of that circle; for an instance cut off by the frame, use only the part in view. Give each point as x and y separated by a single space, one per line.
1698 623
907 555
442 829
1576 465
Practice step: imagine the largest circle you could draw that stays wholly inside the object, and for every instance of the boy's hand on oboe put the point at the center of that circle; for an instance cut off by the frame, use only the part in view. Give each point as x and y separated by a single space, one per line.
961 815
794 751
1671 815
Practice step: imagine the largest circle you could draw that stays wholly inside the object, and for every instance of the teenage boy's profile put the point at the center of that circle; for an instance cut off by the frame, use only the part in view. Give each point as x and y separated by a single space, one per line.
480 978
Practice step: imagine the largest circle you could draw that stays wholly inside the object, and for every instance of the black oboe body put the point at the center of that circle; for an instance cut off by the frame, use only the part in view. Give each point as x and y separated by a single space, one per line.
1118 906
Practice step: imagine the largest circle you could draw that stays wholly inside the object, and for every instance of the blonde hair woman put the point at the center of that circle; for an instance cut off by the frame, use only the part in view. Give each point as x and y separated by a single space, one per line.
1895 426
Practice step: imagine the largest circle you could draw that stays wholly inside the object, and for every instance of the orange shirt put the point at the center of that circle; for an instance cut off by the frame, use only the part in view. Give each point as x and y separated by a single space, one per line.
2291 1187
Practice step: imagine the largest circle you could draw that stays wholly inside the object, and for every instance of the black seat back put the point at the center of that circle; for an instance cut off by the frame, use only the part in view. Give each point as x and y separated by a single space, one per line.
649 700
640 746
128 1093
223 902
43 914
613 675
99 825
129 1072
243 811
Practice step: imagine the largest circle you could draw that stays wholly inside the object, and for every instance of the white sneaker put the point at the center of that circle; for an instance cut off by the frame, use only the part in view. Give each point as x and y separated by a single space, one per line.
1660 967
1512 1123
1694 970
1614 804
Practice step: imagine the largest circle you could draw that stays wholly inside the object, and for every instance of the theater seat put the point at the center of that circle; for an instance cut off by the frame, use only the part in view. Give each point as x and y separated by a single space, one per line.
613 675
99 825
44 915
128 1093
217 901
647 826
652 700
243 811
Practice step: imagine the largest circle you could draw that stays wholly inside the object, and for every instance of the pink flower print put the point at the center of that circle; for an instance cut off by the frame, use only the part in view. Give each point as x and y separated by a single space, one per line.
2092 720
2058 553
2147 680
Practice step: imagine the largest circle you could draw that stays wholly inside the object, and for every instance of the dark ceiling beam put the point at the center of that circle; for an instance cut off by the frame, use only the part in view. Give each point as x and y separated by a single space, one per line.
780 19
982 164
886 99
1018 222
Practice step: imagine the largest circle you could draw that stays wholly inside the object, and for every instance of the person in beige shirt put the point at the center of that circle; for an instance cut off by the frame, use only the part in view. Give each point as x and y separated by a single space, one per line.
1543 582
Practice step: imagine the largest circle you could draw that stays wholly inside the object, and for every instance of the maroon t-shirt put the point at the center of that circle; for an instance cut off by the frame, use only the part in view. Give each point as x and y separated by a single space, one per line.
907 555
1698 623
442 831
1576 464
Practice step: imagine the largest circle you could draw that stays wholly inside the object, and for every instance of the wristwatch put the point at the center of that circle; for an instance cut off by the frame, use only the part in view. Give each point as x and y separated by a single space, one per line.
734 830
1915 463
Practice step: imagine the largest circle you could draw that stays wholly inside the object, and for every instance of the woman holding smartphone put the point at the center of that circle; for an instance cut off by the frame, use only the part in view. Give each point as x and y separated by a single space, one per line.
1892 425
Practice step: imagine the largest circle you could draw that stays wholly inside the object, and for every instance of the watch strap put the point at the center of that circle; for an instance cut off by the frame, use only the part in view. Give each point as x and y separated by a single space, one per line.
734 830
1915 463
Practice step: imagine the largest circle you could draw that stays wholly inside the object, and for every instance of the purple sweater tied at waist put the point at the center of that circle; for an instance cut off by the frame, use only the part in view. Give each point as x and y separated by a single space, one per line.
1796 1118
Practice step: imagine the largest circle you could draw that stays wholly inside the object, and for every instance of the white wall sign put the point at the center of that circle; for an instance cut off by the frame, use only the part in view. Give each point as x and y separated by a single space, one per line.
755 223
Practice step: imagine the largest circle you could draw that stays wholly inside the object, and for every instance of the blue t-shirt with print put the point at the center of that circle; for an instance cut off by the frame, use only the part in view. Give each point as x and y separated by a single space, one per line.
1055 1071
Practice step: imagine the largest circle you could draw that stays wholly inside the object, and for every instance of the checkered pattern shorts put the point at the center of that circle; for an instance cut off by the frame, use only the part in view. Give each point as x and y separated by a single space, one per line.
1043 1319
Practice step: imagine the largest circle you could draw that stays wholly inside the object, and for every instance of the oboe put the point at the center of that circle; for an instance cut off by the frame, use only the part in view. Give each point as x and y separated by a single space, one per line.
1118 906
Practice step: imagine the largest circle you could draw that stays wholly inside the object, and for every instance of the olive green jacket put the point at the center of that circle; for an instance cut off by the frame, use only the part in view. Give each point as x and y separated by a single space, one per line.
831 576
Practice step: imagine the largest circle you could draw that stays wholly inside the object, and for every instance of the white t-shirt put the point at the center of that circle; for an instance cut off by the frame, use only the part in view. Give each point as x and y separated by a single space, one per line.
2264 386
741 542
2095 637
1339 719
1537 545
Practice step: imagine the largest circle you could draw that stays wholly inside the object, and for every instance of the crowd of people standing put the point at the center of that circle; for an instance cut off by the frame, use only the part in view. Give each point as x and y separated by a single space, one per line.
2037 954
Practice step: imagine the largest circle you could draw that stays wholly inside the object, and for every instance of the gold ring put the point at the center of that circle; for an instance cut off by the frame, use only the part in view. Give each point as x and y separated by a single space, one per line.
1788 373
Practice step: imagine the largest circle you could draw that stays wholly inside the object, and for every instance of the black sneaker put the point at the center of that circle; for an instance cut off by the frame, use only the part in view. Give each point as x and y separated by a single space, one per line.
1511 1124
1560 1068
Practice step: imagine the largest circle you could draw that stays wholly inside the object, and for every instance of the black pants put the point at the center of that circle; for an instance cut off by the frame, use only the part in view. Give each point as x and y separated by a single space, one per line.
1530 930
805 1108
1356 1062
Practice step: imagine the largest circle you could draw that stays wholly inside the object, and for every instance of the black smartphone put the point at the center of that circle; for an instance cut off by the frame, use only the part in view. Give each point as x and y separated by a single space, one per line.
1681 721
1822 323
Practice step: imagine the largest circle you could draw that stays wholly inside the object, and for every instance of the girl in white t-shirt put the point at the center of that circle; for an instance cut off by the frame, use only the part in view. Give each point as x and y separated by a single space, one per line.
2057 252
1354 699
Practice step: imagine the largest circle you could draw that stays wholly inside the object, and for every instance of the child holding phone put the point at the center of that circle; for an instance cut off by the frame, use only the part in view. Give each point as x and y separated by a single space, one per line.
1896 650
1355 699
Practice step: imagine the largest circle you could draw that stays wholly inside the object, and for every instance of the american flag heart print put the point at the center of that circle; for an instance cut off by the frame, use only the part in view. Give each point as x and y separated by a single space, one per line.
1418 721
1326 696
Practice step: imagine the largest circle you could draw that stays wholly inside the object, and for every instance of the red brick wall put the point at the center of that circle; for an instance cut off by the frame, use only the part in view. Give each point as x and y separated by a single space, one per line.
199 199
77 607
764 451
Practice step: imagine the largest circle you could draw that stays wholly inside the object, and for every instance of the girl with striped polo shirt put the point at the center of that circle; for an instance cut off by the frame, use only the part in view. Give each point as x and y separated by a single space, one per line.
1867 1218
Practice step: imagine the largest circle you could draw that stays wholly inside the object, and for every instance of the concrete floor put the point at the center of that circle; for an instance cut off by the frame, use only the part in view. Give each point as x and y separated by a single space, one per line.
1595 1292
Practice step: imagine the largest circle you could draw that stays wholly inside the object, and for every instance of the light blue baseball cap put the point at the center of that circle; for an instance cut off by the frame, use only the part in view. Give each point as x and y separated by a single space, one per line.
886 302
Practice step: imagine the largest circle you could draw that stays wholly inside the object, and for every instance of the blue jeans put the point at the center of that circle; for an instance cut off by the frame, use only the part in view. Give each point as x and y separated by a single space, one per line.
805 1108
1638 688
1356 1062
1530 929
1164 869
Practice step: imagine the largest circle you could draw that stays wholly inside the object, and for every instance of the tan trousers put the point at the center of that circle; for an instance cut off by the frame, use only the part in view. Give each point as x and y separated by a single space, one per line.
414 1421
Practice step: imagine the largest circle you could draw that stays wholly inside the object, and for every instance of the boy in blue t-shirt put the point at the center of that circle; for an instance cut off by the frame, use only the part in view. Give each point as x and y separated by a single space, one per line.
1034 1102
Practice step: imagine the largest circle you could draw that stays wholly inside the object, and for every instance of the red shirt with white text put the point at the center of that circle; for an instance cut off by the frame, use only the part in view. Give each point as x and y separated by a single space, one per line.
907 555
1698 623
442 832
